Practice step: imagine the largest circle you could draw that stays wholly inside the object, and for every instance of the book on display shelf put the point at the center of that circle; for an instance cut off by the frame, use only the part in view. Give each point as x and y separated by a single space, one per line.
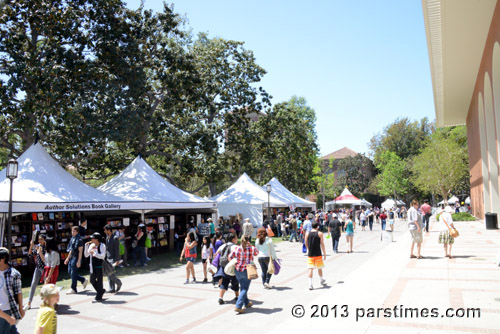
51 216
40 216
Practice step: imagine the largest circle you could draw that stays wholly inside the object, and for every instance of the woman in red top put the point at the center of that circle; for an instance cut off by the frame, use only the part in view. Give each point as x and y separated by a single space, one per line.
244 255
189 251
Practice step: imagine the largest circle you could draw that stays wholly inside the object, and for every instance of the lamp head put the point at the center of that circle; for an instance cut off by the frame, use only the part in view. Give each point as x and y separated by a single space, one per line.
268 188
12 169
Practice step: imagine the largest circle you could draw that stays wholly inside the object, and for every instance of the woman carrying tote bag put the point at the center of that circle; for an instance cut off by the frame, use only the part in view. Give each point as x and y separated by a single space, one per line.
266 250
244 256
445 237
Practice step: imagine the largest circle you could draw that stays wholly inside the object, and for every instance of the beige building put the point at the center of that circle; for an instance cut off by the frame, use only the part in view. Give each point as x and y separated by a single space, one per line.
463 38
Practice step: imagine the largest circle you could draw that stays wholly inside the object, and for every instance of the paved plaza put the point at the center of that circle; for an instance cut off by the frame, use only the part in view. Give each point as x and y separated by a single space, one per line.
379 274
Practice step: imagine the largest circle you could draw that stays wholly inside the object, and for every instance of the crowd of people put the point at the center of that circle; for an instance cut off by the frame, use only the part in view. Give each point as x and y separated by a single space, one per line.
229 260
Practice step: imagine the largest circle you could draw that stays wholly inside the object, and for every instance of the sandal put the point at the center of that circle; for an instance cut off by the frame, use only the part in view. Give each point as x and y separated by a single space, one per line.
451 257
413 257
420 257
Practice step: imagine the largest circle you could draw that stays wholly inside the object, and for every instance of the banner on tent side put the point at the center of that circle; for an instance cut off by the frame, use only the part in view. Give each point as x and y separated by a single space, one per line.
101 206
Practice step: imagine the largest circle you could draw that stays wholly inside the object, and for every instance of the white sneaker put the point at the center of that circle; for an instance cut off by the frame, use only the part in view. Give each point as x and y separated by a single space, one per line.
267 286
71 292
323 282
85 283
311 287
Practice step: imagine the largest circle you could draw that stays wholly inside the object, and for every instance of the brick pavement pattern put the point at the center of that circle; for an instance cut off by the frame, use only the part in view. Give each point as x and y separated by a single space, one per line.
379 274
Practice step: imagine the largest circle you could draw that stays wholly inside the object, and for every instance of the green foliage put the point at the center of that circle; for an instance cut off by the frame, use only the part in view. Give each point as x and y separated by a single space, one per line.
101 84
441 167
356 173
325 181
284 145
460 217
392 180
402 137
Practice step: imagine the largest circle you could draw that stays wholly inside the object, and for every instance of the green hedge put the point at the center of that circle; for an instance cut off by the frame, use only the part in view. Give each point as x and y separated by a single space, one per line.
460 217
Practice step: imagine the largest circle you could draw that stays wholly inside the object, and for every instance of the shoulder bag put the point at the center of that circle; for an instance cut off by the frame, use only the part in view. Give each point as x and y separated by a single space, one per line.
452 230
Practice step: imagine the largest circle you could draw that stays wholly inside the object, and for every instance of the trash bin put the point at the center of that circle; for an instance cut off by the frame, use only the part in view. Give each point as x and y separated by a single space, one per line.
491 221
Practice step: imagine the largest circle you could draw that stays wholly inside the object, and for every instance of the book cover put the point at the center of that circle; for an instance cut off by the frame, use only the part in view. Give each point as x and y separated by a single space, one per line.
40 216
34 216
51 215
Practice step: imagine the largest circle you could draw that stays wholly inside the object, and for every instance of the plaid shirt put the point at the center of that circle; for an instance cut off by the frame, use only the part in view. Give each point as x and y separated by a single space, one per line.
243 256
13 285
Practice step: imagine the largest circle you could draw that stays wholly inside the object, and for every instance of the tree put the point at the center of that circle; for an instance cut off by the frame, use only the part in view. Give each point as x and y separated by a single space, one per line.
442 166
356 173
392 180
285 146
325 180
222 106
402 137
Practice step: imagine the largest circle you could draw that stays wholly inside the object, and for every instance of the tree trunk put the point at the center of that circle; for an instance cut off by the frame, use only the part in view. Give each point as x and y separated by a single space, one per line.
211 187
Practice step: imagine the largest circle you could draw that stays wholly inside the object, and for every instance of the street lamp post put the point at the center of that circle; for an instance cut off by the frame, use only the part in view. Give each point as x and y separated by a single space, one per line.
268 189
11 174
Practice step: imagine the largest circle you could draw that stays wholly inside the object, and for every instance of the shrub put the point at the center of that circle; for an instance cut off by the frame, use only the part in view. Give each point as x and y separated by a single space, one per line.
460 217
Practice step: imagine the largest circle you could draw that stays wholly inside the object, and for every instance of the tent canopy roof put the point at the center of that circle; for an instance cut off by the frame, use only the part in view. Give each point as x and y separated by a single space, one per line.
139 182
246 191
41 179
282 193
347 198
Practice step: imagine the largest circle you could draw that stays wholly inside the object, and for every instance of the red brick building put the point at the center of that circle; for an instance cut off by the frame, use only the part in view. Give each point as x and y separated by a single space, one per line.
463 38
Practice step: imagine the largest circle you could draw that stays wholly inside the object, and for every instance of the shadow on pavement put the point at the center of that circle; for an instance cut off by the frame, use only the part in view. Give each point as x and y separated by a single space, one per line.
281 288
263 310
113 302
66 310
126 293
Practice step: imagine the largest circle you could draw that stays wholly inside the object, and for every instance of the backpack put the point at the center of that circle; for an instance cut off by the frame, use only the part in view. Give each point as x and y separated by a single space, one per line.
225 254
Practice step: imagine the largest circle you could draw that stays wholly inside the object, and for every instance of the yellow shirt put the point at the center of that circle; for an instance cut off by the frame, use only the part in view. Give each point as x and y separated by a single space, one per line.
47 319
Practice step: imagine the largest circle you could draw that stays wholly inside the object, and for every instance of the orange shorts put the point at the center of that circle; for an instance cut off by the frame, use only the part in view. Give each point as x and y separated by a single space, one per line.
315 262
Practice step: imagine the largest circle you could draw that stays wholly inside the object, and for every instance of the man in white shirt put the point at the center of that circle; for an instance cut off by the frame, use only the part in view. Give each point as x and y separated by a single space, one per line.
415 227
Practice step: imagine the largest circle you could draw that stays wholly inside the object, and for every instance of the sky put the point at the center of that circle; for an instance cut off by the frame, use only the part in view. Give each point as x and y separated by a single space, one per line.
359 64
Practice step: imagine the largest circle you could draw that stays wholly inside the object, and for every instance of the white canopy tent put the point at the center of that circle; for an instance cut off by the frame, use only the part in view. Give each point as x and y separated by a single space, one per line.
390 203
42 185
365 203
140 183
280 192
467 200
452 200
247 198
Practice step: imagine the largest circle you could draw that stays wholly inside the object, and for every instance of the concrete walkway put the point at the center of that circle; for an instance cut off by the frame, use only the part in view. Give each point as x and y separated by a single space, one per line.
379 274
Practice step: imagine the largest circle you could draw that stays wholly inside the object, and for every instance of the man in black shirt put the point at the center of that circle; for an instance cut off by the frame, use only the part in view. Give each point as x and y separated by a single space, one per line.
335 228
316 253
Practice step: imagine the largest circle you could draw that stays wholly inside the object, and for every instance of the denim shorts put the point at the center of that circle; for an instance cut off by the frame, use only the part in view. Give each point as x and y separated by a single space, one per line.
349 234
190 259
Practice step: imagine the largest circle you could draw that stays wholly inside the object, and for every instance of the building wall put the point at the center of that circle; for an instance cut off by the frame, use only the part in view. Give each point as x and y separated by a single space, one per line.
483 127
